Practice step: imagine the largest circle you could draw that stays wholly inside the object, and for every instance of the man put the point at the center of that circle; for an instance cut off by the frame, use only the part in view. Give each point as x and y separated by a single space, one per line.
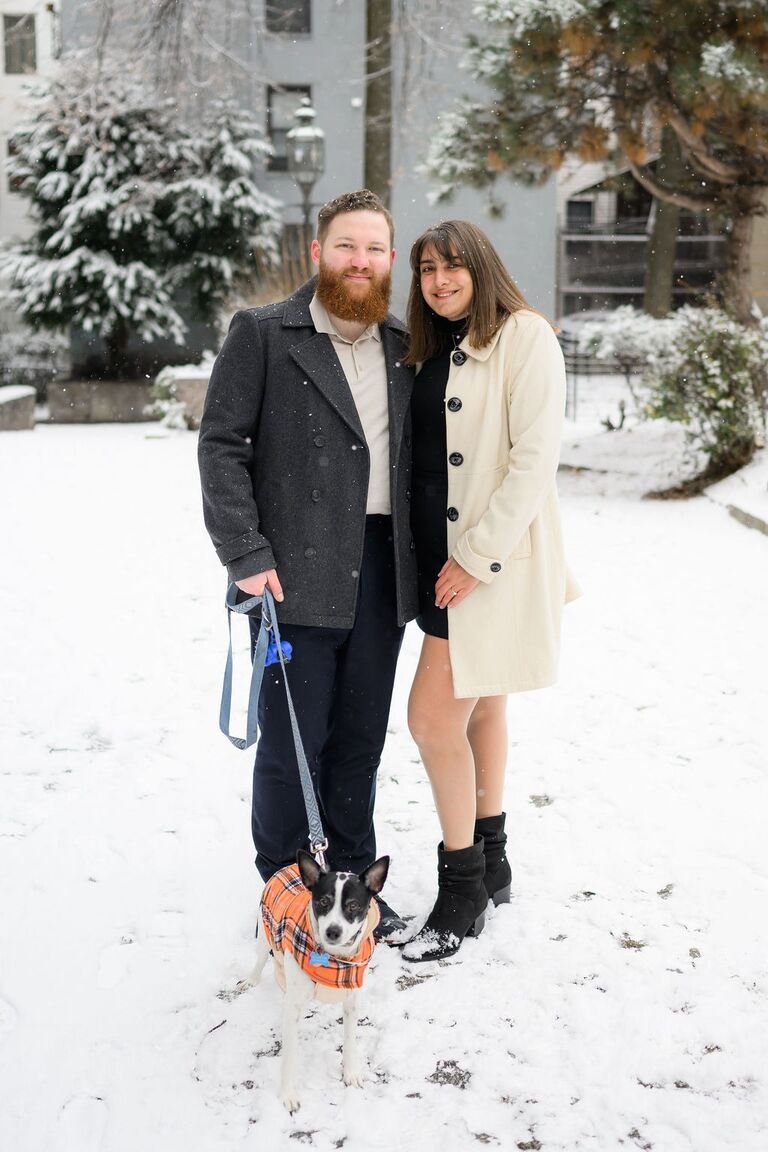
305 465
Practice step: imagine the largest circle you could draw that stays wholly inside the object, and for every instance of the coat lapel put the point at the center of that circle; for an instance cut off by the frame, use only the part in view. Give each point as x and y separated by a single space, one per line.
317 358
399 382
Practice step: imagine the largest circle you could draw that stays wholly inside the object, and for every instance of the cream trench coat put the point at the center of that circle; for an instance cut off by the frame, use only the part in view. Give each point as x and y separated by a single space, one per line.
505 636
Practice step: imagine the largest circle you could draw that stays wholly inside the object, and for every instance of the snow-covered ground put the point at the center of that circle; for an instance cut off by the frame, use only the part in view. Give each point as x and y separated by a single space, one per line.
619 1002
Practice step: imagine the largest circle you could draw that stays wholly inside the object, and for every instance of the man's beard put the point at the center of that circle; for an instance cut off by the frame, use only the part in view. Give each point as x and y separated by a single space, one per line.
333 293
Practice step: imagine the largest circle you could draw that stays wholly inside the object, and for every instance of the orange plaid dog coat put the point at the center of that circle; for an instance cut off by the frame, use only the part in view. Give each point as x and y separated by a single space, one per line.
285 916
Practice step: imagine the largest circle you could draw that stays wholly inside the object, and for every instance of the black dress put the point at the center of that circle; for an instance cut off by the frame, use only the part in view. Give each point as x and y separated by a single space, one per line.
429 487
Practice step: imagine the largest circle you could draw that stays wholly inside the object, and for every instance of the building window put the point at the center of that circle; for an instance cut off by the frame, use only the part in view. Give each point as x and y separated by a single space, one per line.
20 47
578 215
281 104
286 16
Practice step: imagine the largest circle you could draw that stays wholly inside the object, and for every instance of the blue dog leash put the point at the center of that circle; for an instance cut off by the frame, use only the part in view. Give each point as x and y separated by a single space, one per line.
269 651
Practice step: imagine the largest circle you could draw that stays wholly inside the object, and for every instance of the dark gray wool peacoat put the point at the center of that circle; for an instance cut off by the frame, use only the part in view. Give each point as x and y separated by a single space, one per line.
284 463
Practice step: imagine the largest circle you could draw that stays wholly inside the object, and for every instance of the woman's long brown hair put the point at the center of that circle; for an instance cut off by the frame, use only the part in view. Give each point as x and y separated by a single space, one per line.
495 296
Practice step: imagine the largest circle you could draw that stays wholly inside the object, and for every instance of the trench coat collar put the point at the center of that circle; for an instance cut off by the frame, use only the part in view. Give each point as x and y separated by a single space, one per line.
317 358
484 352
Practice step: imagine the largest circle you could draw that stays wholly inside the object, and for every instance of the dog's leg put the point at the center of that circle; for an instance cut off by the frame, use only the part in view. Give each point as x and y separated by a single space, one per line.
262 952
298 993
351 1065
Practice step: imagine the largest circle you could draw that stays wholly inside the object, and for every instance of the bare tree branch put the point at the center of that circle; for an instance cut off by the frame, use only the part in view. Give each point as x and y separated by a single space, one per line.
661 192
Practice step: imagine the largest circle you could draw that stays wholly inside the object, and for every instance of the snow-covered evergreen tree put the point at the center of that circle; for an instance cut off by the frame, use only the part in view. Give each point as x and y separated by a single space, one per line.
130 206
598 80
217 216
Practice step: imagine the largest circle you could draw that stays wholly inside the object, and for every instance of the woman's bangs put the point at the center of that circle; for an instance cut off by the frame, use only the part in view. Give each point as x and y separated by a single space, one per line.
443 244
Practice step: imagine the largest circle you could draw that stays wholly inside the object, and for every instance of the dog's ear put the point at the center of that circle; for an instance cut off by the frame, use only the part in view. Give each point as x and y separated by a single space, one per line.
309 869
375 874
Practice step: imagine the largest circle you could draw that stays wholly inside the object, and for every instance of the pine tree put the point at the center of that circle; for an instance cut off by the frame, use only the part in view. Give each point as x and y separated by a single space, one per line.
600 80
130 206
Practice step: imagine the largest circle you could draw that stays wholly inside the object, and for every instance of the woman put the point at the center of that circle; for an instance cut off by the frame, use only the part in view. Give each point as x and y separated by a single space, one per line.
487 412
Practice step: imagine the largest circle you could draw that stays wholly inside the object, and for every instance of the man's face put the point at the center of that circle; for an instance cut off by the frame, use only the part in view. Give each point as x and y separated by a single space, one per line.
354 261
357 248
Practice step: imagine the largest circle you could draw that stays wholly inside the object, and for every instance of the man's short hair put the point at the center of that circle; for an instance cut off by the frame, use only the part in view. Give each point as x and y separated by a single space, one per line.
361 201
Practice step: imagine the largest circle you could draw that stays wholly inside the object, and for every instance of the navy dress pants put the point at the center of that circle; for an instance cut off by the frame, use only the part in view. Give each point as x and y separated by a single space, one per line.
341 682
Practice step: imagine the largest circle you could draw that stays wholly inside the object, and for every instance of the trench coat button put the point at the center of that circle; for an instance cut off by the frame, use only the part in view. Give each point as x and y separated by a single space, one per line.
459 357
454 404
315 494
495 567
452 514
407 493
455 458
319 441
309 553
412 546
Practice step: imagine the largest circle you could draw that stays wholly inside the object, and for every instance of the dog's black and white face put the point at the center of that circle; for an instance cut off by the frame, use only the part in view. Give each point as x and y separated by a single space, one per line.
340 902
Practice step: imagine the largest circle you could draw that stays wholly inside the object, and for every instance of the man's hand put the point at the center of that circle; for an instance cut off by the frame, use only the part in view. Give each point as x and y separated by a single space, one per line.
254 585
453 585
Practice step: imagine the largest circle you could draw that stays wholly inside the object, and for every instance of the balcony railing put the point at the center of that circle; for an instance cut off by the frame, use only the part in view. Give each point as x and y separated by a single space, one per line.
602 269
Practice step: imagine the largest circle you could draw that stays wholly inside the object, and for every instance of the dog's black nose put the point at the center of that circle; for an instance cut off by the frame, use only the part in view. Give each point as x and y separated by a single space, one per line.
333 933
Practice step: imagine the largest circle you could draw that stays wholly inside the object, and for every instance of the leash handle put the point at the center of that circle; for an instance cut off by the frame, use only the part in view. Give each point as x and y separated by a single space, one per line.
317 840
257 670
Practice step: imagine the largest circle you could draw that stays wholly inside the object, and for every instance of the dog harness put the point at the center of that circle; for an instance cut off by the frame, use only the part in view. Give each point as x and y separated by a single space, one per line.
285 914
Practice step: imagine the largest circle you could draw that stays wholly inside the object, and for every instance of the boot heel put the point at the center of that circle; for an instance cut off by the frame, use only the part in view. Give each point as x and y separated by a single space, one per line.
501 895
476 928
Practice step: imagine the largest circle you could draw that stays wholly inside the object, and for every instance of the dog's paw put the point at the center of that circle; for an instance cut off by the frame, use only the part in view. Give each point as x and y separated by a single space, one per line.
290 1099
353 1076
249 981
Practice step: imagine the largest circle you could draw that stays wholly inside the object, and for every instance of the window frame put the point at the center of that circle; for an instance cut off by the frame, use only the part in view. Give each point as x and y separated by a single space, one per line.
26 24
279 161
277 13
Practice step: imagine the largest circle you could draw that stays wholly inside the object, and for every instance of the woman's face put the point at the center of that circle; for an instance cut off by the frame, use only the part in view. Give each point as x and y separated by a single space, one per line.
446 285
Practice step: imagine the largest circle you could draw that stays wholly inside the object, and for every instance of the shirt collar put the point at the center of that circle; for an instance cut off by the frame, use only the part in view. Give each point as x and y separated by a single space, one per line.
322 321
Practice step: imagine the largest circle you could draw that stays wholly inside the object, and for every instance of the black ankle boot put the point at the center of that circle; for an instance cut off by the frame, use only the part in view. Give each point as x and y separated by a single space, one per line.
459 910
498 874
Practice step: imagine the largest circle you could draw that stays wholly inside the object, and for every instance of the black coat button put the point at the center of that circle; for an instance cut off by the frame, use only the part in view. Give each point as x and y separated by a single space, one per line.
309 553
454 404
407 493
413 546
319 441
495 567
452 513
315 494
459 357
455 458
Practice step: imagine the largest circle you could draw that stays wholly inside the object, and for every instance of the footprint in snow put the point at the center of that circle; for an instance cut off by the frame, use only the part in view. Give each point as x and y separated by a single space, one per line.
81 1125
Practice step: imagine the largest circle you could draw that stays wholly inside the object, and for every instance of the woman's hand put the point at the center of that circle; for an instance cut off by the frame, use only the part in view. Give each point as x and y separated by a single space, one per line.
453 585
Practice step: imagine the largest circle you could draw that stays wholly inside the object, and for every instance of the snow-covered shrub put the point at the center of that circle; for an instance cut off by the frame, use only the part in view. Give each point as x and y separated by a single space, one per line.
707 375
697 367
132 206
624 337
172 410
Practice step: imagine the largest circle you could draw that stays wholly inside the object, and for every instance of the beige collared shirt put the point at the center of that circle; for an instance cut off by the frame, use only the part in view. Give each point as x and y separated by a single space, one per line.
365 369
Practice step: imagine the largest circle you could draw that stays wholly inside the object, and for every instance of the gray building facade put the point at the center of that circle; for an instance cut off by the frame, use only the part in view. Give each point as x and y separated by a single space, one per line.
269 53
328 63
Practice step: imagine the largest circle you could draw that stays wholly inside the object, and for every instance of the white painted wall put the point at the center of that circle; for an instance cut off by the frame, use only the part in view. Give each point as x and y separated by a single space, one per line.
13 209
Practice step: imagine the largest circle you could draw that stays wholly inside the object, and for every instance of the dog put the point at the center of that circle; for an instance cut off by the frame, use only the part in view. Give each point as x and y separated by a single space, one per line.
318 926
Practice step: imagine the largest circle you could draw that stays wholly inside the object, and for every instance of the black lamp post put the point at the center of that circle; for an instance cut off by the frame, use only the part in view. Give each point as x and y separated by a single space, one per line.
305 145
